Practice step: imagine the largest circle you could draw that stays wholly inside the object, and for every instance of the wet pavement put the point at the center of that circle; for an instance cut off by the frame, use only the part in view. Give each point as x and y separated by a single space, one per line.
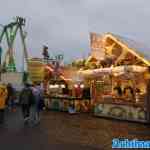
61 131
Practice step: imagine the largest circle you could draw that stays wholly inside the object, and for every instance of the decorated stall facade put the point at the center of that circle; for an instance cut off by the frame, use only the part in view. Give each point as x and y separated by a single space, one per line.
119 81
64 91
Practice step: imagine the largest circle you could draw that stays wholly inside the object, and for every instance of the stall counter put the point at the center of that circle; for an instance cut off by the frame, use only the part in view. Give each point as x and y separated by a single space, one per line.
120 111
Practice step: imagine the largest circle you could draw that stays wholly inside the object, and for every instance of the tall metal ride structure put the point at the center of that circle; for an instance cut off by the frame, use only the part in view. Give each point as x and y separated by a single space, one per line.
9 33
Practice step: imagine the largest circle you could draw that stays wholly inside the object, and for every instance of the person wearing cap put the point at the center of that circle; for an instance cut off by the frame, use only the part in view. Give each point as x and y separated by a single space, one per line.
3 97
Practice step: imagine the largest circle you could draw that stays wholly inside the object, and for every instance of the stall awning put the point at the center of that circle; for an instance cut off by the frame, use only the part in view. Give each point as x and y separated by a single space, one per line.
119 70
94 72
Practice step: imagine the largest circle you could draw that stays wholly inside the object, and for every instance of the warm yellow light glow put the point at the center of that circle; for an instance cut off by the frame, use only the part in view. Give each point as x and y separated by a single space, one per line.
76 85
82 86
51 86
56 86
127 48
62 86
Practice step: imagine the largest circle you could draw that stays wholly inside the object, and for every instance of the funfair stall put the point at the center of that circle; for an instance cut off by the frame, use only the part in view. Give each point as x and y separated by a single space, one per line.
120 77
65 93
119 92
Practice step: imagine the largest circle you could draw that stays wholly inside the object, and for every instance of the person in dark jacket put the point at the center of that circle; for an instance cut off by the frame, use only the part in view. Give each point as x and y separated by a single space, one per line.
26 100
10 98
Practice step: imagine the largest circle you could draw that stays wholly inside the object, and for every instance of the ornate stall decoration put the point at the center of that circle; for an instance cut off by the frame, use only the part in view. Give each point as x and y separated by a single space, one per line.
119 82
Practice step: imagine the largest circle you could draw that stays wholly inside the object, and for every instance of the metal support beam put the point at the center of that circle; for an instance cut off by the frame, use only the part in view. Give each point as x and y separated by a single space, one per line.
23 43
2 35
10 31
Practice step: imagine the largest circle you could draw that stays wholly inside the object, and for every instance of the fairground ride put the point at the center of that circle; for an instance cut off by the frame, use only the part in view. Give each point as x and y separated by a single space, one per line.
8 34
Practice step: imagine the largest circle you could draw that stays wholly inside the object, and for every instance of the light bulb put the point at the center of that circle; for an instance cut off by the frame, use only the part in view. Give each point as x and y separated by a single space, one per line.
76 85
62 86
82 86
51 86
56 86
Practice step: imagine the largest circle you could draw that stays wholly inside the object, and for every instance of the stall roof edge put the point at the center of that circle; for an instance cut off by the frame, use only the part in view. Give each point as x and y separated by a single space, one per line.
140 49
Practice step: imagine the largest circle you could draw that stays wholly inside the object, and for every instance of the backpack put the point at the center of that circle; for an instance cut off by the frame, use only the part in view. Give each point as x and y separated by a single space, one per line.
27 97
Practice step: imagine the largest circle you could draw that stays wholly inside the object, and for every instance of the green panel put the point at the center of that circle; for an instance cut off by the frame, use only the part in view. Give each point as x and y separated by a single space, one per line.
55 105
11 67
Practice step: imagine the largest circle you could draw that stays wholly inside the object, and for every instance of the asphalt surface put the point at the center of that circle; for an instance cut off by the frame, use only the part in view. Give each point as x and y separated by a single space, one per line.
61 131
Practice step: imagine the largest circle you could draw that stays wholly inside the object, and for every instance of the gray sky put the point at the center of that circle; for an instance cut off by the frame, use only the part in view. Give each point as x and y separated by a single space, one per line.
64 25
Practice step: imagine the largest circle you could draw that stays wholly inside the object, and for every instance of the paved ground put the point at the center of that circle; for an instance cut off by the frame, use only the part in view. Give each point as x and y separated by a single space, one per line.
61 131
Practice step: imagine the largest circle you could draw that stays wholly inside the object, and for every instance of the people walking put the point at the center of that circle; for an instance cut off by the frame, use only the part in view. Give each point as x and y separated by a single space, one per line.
26 100
36 107
3 96
11 96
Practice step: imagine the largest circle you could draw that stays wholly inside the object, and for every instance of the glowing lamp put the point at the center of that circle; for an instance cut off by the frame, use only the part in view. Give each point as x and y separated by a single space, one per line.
56 86
62 86
51 86
82 86
76 85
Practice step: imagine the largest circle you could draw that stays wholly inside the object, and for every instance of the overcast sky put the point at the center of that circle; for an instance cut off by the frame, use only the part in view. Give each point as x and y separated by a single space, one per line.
64 25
